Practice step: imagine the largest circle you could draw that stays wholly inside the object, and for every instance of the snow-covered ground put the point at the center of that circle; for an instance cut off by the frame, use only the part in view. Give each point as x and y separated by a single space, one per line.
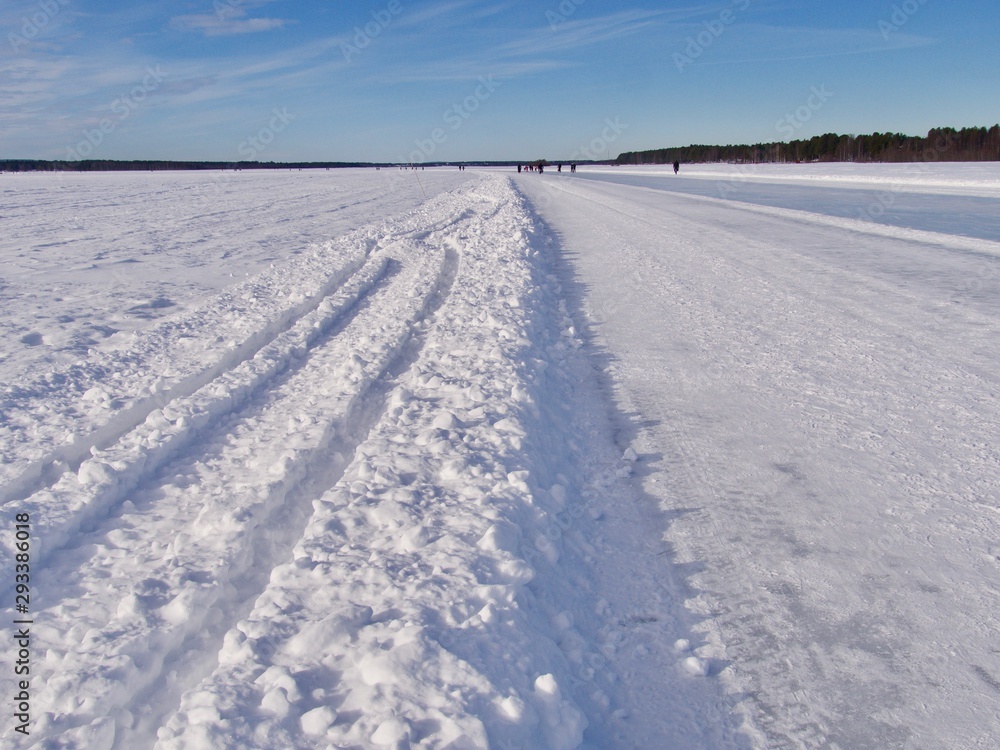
462 460
93 257
816 405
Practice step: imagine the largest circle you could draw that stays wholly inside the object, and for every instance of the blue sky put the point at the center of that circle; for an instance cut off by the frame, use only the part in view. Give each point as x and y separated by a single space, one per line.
394 80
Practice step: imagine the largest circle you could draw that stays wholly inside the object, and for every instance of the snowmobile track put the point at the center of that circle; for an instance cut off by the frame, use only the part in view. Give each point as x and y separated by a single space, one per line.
99 483
140 524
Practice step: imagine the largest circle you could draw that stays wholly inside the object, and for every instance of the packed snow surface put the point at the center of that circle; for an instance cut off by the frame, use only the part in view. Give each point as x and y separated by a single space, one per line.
815 402
430 459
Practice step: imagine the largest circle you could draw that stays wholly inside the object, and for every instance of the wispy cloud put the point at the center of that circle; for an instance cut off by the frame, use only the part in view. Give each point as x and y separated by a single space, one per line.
585 32
229 19
48 102
70 72
537 50
456 10
26 83
211 25
461 70
758 43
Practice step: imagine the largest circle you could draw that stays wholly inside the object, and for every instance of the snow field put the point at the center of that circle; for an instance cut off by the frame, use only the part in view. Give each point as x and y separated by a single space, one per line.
385 512
177 552
90 258
118 276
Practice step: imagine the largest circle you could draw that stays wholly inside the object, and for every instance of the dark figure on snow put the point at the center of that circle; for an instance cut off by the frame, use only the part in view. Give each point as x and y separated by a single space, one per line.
559 168
519 169
572 167
677 167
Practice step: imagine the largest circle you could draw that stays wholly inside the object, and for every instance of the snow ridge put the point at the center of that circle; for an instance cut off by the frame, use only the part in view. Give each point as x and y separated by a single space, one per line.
53 422
398 622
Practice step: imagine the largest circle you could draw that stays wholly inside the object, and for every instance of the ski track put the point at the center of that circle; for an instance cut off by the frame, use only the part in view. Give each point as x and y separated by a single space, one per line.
51 422
366 527
59 424
293 425
282 435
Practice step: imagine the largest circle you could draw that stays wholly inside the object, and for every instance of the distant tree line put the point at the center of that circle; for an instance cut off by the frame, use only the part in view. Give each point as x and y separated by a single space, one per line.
109 165
940 144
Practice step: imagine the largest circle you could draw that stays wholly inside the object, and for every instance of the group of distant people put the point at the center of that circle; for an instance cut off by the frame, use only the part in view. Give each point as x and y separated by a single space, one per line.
572 168
527 167
540 168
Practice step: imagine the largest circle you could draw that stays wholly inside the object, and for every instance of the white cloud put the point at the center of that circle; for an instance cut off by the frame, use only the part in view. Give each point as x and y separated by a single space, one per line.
229 19
213 25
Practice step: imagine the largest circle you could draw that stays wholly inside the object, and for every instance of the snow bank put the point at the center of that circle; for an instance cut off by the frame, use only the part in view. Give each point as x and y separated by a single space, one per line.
405 604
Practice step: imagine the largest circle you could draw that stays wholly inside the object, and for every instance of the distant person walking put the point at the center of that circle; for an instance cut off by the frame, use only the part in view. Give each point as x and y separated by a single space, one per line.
677 167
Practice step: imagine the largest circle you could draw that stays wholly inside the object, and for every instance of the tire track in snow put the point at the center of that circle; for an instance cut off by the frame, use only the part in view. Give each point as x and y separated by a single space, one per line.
132 617
101 482
352 430
46 470
149 433
53 424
